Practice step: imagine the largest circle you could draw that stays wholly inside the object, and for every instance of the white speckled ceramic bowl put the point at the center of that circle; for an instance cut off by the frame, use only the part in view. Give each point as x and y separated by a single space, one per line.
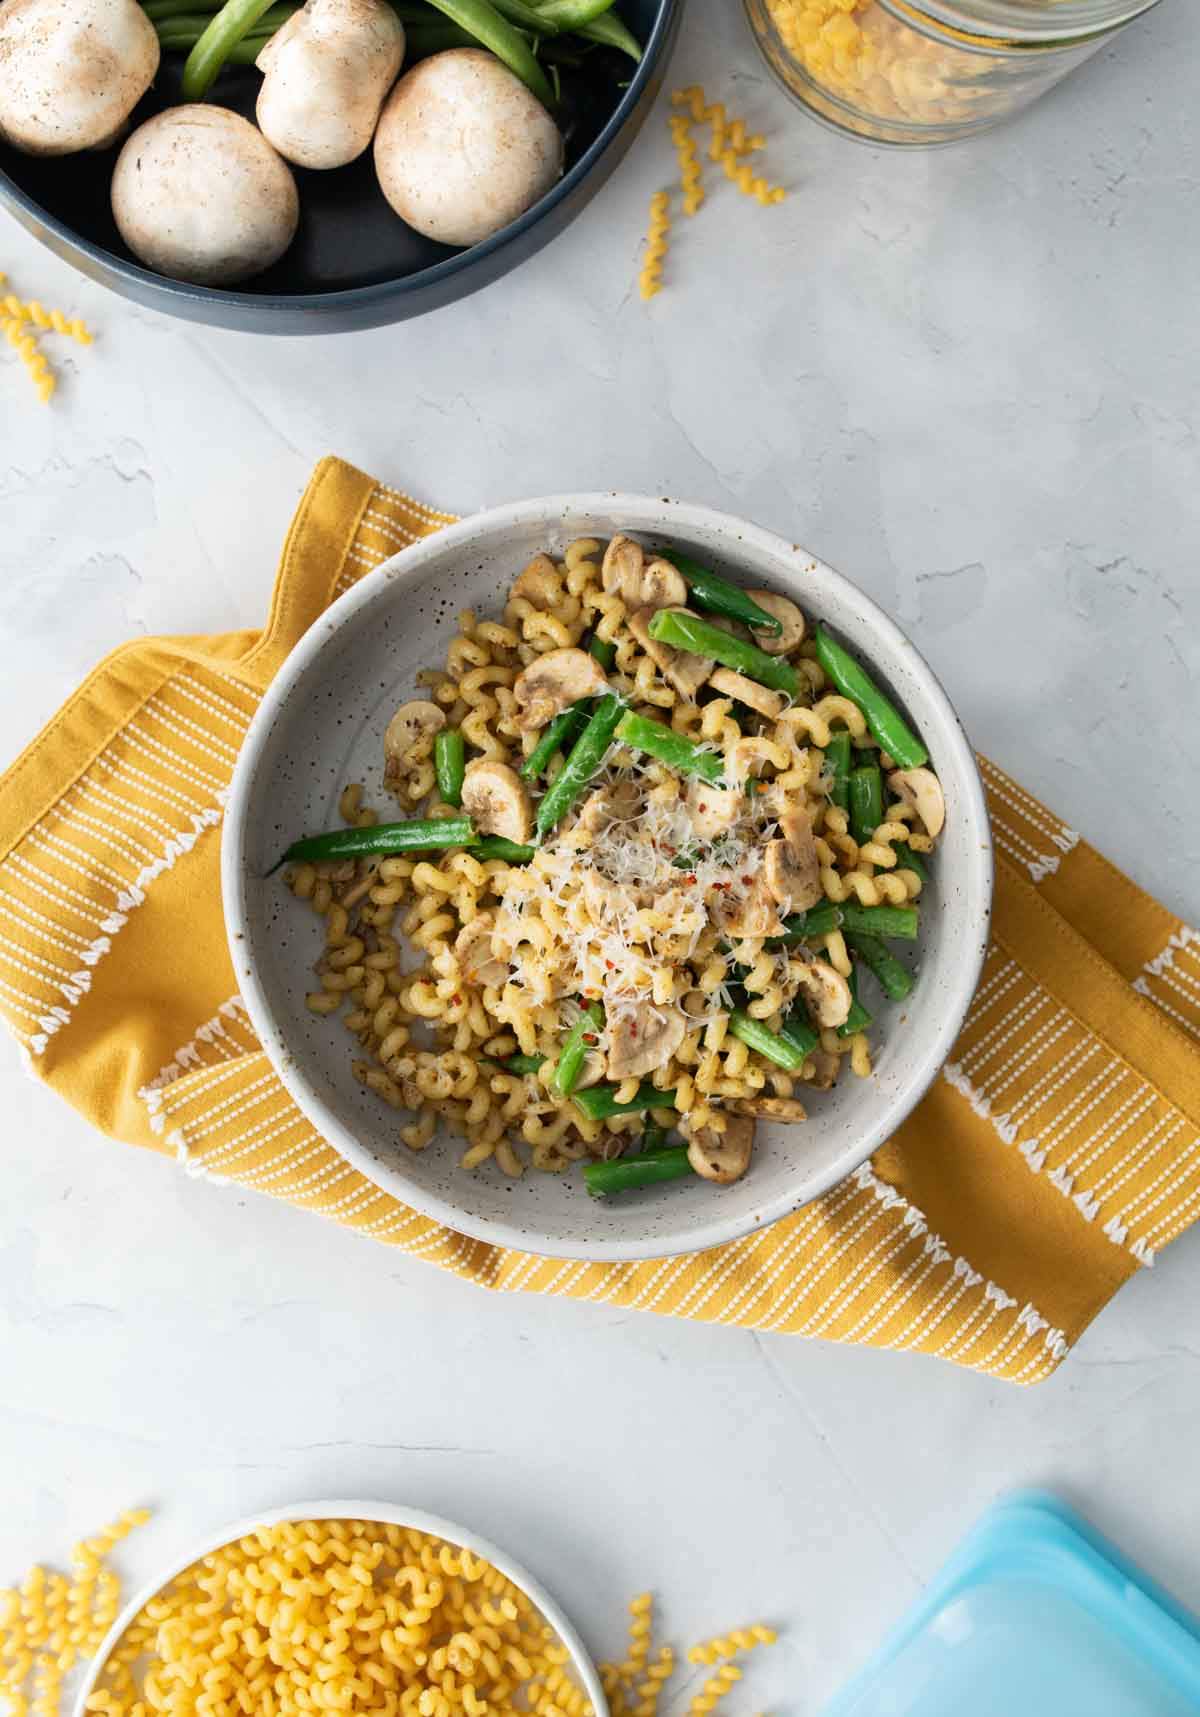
390 1515
321 726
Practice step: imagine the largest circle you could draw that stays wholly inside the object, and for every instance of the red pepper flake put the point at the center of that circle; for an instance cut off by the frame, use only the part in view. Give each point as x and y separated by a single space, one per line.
590 1037
454 1000
748 880
609 967
633 1031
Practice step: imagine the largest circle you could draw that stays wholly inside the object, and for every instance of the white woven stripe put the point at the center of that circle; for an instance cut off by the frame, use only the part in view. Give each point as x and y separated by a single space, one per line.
1050 1032
418 507
1025 806
803 1226
195 692
115 839
72 858
1013 1025
135 734
1142 986
1139 1102
52 888
825 1258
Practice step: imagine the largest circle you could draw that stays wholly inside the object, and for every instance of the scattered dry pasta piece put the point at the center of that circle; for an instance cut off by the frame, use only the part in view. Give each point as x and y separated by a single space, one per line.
747 181
32 356
14 309
691 182
728 1645
650 281
714 1690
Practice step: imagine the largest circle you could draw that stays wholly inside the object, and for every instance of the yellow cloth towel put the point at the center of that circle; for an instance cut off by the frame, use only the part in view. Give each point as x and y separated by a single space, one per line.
1058 1153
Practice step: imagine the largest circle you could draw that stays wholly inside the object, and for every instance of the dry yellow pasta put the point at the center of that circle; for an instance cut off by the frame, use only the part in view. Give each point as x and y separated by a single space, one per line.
650 280
691 181
704 893
31 355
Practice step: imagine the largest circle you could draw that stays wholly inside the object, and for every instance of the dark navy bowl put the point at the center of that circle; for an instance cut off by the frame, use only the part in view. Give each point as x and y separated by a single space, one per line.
353 263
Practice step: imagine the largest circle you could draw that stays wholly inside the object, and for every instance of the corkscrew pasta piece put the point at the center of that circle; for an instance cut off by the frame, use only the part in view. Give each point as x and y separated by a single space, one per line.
691 181
728 1645
31 355
749 183
714 1690
14 309
650 280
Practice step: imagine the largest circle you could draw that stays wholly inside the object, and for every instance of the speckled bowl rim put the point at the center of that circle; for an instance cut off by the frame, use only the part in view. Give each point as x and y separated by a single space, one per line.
877 636
381 1513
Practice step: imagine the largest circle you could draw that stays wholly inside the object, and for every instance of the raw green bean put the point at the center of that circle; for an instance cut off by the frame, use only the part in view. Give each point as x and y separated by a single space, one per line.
420 835
837 767
518 12
489 27
571 14
671 748
895 980
907 859
773 1045
604 652
224 31
575 1049
586 759
173 30
900 921
431 36
887 725
450 762
686 631
599 1102
623 1174
858 1019
866 801
609 32
560 735
721 597
522 1065
803 926
496 847
799 1032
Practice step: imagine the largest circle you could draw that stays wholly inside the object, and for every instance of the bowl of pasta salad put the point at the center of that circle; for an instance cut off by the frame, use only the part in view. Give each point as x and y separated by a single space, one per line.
606 877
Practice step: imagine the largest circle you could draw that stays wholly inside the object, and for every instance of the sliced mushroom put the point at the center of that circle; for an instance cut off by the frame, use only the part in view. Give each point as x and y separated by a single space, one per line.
791 865
494 795
538 583
825 1068
714 810
685 671
553 682
642 1038
473 951
640 582
789 617
770 1108
410 736
752 914
595 1068
756 697
723 1157
921 789
826 992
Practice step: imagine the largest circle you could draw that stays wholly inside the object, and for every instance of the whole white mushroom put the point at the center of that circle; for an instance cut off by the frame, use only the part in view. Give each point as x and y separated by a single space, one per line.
72 71
463 148
199 194
326 73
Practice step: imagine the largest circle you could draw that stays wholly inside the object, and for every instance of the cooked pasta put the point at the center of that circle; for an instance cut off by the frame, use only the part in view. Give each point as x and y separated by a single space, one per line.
682 940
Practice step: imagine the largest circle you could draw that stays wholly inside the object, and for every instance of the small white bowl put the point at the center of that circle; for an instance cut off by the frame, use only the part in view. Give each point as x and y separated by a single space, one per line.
389 1515
321 726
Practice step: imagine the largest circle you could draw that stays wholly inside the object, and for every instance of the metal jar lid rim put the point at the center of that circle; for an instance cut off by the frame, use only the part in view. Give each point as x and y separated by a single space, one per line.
1020 23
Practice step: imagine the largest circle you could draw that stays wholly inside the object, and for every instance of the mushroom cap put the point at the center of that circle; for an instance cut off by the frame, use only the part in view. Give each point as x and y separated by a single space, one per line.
723 1157
326 73
463 148
642 1038
791 865
553 682
537 583
641 580
827 993
921 789
713 810
72 71
770 1108
473 952
685 670
760 698
789 617
752 914
494 796
200 195
410 734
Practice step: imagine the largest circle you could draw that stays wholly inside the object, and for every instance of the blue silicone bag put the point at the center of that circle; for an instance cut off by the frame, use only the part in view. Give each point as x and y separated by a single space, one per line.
1035 1615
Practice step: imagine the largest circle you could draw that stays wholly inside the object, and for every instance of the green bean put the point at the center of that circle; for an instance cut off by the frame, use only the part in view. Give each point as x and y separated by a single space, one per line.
907 859
858 1019
429 36
773 1045
422 834
521 13
496 847
623 1174
895 980
803 926
224 31
887 725
900 921
609 32
671 748
575 1049
188 26
686 631
837 767
798 1030
489 27
586 760
450 762
522 1065
560 735
604 652
721 597
866 801
599 1102
654 1137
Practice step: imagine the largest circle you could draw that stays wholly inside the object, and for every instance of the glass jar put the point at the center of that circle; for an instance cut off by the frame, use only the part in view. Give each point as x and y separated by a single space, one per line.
928 71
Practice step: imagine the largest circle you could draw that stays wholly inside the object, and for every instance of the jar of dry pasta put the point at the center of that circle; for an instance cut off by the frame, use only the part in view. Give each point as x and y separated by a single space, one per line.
928 71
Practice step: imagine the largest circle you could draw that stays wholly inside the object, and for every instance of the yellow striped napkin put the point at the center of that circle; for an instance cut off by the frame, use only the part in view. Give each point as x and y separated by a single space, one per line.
1058 1154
